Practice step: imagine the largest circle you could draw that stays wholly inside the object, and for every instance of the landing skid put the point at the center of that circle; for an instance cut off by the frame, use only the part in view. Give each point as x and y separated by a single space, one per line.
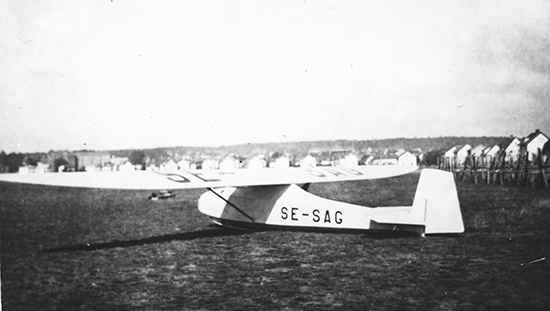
394 230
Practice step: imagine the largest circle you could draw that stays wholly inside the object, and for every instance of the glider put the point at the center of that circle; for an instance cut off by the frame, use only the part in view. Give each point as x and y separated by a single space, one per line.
260 199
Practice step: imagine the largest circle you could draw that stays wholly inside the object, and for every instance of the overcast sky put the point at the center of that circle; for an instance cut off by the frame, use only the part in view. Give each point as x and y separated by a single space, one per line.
140 74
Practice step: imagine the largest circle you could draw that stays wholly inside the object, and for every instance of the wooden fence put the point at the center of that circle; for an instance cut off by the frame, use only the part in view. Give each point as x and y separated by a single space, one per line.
502 170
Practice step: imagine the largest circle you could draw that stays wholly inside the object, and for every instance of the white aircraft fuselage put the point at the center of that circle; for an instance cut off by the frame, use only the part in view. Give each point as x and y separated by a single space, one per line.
435 209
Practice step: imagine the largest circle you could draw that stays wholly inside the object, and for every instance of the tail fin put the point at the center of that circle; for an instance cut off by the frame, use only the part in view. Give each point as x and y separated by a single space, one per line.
436 198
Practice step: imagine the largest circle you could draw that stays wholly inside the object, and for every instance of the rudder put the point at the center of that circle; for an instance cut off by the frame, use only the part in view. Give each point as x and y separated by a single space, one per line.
436 199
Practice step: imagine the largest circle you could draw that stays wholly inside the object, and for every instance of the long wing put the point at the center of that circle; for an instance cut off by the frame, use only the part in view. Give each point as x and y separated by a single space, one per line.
206 179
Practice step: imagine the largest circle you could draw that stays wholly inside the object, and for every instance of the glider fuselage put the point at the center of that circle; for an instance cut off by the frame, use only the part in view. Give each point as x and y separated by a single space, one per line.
435 209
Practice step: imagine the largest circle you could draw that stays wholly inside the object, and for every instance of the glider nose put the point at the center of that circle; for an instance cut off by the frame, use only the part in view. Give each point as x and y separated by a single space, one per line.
212 204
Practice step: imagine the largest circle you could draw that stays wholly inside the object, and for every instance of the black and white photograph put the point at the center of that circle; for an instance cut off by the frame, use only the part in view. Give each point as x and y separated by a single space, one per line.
275 155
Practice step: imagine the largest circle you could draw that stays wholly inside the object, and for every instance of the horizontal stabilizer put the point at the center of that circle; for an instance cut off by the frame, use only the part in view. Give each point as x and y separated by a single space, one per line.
402 215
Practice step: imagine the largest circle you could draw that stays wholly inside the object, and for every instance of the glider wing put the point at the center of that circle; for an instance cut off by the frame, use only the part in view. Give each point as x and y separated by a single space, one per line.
169 180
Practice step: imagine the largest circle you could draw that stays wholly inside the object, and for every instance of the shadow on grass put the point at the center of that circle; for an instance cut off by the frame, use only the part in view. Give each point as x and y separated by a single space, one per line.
186 236
219 232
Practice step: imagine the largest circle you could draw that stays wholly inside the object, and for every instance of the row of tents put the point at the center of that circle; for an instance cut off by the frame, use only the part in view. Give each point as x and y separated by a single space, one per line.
511 150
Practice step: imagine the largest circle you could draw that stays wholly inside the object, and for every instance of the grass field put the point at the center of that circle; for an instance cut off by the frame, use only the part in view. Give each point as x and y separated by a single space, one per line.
90 249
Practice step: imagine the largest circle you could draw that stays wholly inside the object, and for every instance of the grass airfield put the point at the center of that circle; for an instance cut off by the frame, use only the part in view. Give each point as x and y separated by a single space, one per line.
91 249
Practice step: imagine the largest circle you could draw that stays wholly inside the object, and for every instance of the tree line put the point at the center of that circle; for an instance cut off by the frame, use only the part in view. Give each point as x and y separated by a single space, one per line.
431 147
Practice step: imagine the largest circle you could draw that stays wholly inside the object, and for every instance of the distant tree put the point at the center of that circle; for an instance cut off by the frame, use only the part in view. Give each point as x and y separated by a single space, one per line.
3 157
30 160
57 162
14 161
3 166
137 157
431 156
275 155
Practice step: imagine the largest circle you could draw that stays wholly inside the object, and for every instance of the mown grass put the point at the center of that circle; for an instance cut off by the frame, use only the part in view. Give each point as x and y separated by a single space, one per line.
90 249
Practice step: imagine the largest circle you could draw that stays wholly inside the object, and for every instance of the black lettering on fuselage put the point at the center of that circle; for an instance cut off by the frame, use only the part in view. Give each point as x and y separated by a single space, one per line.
316 217
284 211
293 213
337 219
327 217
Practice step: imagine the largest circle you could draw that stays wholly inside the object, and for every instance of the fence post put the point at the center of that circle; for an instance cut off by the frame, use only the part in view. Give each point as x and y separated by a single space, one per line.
474 168
541 168
526 170
518 167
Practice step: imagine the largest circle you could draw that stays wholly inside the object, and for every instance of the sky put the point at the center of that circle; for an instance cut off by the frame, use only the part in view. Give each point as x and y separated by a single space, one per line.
127 74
